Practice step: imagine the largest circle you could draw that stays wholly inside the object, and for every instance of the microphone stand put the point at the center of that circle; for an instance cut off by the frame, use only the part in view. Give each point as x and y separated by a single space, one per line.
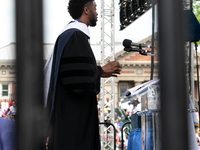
140 50
152 50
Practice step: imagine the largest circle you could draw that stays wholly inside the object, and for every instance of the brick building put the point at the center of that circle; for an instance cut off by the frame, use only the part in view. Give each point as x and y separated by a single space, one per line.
136 69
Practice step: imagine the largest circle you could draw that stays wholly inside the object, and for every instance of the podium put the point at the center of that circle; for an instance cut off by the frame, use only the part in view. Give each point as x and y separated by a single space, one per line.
147 121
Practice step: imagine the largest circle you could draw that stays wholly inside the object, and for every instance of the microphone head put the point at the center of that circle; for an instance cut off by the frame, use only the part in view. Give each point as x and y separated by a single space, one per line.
127 49
127 43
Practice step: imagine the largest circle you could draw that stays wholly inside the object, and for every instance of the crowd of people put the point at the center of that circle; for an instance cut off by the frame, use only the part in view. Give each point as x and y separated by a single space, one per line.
122 115
127 110
198 138
197 130
9 109
126 131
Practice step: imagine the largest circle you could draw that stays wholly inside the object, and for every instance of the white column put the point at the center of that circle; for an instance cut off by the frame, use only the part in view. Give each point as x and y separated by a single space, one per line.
0 91
9 91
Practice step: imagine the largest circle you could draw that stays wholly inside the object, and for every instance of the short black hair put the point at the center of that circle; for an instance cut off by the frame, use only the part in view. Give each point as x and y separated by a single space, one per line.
75 7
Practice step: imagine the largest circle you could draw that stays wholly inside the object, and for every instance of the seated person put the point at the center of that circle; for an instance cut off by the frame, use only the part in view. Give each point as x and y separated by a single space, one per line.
13 109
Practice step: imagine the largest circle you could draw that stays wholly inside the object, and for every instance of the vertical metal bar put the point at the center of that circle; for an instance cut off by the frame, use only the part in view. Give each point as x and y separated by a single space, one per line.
154 131
152 44
191 5
122 134
192 74
107 44
112 59
112 84
102 94
172 75
29 37
191 63
158 134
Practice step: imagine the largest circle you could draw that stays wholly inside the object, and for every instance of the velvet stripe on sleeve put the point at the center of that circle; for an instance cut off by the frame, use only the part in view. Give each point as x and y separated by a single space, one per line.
78 71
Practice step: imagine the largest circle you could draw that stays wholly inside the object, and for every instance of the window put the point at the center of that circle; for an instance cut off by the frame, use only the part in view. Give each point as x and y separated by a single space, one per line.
5 90
3 72
122 89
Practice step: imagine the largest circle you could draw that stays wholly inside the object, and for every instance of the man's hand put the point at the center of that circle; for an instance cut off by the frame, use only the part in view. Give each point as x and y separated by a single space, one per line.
111 69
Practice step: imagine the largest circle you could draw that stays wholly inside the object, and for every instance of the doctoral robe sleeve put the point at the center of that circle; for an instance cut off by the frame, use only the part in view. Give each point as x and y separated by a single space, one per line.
78 71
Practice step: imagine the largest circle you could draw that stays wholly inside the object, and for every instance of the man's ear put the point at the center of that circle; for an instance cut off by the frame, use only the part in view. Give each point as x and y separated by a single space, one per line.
86 10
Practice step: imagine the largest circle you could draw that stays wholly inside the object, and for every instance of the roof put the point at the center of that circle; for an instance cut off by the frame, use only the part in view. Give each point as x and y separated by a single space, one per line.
8 53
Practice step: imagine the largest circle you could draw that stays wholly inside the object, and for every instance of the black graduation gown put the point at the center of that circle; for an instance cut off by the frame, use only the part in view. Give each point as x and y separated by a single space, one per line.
75 119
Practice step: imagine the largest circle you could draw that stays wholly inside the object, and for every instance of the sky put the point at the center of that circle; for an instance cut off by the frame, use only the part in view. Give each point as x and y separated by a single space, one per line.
56 17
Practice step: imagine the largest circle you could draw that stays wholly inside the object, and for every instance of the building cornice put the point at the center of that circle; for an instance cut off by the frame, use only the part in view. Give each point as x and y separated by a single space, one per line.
137 63
7 64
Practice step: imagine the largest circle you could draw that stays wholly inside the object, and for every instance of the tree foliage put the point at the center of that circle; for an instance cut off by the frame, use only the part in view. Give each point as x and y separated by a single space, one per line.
196 8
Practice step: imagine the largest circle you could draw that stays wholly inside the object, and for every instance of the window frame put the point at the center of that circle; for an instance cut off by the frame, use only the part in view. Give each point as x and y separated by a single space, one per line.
5 90
121 93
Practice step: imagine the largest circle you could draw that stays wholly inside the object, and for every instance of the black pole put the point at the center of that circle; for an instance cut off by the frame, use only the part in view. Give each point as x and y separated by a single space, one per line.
29 46
197 69
189 69
123 133
152 43
172 75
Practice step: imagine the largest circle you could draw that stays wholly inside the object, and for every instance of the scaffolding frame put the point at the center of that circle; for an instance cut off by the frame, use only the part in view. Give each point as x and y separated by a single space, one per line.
107 44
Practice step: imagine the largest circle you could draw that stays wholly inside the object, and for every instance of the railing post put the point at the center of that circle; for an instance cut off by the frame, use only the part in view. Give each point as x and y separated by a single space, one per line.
172 75
123 133
29 51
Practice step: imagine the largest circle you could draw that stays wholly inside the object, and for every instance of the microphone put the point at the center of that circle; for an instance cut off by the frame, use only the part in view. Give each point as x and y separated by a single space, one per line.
141 51
131 49
128 43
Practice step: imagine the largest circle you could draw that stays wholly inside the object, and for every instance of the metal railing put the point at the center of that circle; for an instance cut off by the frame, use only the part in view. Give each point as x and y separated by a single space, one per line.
114 133
123 133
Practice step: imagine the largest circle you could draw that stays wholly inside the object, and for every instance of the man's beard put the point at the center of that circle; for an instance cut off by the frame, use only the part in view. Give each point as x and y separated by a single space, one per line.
93 23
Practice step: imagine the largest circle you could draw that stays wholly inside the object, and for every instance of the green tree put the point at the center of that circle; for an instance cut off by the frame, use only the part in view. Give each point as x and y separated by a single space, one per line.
196 8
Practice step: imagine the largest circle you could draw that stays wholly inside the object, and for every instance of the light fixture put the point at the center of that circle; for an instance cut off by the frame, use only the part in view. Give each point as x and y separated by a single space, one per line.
130 10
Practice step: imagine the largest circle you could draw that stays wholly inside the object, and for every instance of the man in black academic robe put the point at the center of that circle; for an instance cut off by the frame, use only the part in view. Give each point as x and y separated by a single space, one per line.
75 82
